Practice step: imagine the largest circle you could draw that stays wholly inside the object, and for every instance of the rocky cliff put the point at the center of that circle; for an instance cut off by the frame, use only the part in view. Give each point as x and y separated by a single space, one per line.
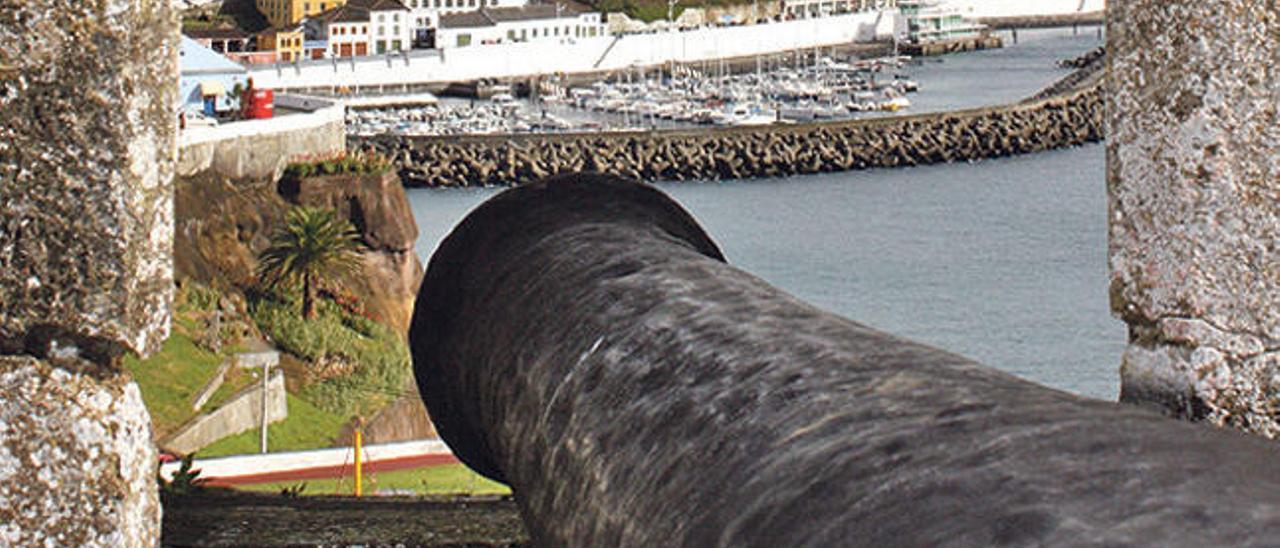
223 223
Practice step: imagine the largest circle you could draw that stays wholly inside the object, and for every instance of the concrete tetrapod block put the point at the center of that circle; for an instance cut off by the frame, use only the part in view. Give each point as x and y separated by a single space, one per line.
583 340
1193 183
87 149
77 465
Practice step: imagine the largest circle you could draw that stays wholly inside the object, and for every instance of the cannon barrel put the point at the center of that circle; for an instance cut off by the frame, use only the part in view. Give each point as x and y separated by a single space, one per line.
584 341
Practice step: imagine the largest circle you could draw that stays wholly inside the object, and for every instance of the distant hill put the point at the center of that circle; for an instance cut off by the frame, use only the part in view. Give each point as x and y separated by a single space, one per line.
652 10
242 14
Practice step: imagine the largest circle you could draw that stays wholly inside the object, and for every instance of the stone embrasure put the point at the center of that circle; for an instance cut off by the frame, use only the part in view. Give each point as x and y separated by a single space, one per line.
77 465
1193 181
87 148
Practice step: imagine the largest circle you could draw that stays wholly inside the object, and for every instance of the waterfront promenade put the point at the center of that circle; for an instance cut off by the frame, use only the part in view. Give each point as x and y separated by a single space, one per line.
424 68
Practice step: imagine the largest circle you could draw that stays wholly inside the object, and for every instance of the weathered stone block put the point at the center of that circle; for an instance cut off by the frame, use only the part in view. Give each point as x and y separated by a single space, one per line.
77 466
87 149
1195 220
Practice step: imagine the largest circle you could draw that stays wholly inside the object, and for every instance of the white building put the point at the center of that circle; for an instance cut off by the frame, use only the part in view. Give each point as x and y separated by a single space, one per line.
934 20
538 22
425 14
345 29
805 9
390 24
362 27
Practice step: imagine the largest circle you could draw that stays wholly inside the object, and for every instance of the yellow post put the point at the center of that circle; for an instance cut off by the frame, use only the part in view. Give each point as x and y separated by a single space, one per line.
358 451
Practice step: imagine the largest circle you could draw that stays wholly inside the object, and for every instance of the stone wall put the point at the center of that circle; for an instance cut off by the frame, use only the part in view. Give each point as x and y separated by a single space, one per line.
240 413
87 149
731 153
1194 186
86 156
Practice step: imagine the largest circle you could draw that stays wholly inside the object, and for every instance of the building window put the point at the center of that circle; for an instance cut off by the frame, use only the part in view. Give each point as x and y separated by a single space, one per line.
395 31
396 45
511 35
464 40
381 18
364 30
395 17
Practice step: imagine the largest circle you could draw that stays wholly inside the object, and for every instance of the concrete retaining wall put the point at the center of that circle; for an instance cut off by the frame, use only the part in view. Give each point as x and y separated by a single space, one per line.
769 151
260 148
242 465
243 412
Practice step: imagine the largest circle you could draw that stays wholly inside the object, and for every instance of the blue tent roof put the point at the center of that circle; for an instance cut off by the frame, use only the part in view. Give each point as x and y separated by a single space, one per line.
197 59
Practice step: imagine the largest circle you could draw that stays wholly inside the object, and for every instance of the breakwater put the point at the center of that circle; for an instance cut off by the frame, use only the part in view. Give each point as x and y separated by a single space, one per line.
1068 119
1045 21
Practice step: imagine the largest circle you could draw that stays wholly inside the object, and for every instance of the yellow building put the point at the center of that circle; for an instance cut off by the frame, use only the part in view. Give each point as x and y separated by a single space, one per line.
286 42
284 13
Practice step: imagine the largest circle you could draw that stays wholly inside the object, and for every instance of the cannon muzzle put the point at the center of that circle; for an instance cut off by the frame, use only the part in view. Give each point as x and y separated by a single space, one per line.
583 340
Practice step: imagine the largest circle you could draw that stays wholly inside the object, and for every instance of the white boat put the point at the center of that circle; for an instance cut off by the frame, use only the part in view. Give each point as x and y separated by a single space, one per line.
895 104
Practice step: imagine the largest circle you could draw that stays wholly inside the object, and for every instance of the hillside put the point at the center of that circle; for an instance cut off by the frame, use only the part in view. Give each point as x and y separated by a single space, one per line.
319 405
240 14
652 10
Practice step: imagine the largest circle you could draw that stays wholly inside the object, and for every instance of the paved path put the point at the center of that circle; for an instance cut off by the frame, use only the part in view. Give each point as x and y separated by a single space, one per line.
337 471
316 464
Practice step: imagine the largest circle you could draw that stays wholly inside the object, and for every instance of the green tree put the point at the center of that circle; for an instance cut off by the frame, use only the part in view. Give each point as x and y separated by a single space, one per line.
312 246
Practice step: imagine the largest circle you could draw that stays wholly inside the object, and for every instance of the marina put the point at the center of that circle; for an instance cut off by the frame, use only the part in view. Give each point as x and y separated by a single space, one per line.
780 90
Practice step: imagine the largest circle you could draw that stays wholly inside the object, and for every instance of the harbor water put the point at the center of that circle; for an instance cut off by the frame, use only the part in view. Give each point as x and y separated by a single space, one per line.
1003 261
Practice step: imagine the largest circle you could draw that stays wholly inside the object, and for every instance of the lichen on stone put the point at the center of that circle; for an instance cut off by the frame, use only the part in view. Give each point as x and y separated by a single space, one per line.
87 152
77 464
1195 225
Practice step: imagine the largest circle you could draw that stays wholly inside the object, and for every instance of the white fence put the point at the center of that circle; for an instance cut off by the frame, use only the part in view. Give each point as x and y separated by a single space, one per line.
243 465
513 60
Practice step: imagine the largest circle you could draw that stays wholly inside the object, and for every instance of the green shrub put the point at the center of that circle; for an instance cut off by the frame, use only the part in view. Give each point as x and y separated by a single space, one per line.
342 164
185 481
196 297
382 360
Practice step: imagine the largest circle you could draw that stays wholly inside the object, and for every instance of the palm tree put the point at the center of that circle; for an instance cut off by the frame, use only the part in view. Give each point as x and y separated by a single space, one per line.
313 245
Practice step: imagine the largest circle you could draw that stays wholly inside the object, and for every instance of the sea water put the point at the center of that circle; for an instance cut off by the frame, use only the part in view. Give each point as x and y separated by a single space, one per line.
1003 260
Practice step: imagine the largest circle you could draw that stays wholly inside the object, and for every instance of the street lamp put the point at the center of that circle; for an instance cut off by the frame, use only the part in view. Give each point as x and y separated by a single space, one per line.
671 4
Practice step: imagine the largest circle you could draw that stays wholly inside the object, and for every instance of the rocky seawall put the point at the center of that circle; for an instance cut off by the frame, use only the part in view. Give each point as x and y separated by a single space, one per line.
1071 117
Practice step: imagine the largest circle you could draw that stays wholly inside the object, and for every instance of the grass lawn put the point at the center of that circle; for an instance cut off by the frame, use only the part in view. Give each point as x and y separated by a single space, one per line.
441 479
307 427
170 378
